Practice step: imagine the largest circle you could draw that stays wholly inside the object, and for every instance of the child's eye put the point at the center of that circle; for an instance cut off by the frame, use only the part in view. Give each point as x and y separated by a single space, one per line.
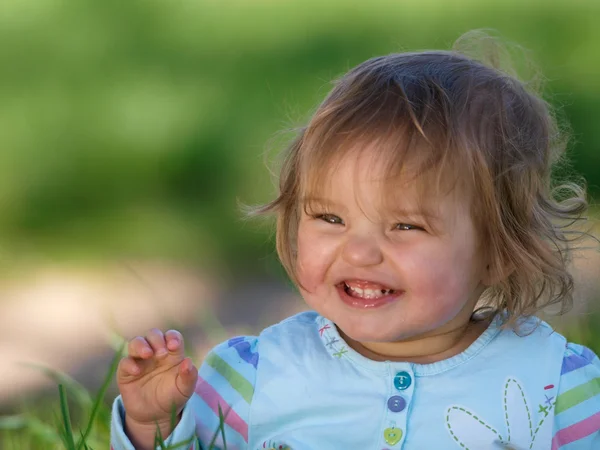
406 227
329 218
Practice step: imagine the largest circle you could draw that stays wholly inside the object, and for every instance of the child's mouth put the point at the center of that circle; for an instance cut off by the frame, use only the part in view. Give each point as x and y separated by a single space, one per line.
363 294
354 290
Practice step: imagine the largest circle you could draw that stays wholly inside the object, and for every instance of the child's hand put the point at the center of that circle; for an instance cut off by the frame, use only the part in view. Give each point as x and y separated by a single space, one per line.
154 378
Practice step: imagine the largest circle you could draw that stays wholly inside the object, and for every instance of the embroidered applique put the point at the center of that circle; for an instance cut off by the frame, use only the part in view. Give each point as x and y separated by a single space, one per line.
332 341
546 407
472 432
322 329
244 350
341 352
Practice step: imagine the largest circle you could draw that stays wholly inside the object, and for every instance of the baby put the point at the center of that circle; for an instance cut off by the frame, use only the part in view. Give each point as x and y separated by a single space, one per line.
417 218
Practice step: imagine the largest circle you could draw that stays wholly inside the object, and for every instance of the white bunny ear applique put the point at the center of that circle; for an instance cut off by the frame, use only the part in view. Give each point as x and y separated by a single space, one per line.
471 432
522 423
519 427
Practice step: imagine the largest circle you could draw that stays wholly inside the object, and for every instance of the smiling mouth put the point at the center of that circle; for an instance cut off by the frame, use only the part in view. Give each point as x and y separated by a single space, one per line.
366 293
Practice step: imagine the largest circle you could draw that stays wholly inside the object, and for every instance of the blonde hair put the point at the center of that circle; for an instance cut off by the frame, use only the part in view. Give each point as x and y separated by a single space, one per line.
452 115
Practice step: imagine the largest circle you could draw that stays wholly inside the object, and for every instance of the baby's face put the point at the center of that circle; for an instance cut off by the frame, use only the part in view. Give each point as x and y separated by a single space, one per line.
382 275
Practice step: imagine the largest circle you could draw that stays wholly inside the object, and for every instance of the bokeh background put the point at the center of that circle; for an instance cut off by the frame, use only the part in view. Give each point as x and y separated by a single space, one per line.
131 131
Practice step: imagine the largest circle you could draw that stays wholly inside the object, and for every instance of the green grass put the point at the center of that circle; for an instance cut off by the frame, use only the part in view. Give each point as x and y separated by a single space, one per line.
28 430
52 428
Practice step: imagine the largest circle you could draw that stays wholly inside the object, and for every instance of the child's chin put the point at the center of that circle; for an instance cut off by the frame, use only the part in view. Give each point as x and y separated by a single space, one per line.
369 334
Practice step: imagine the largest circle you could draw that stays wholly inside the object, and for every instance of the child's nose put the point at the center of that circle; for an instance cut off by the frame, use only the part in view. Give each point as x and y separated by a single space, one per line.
362 251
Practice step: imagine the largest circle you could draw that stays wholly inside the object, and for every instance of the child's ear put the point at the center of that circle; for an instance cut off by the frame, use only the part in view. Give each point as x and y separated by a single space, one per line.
494 275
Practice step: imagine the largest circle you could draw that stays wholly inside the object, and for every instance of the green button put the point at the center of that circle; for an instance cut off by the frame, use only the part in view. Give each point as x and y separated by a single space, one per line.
402 380
392 435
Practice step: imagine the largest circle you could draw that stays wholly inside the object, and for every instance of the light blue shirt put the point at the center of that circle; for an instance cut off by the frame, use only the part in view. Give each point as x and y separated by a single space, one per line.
298 386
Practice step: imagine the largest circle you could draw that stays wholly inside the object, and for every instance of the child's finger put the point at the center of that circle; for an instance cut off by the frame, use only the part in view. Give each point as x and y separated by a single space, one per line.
188 375
139 348
156 339
174 340
128 366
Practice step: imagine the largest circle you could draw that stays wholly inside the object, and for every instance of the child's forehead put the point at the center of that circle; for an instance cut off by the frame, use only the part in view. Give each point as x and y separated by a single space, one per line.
380 198
373 194
361 168
381 189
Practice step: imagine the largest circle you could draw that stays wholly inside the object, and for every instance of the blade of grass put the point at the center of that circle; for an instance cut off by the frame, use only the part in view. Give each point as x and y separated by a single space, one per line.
173 417
84 443
158 439
211 444
100 395
172 422
62 434
82 396
64 408
222 426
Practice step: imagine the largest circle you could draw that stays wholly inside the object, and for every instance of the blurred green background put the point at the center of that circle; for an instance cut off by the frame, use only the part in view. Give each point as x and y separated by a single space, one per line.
129 130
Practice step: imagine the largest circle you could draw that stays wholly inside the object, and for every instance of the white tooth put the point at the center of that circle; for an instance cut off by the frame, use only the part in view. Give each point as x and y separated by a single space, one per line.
374 293
369 293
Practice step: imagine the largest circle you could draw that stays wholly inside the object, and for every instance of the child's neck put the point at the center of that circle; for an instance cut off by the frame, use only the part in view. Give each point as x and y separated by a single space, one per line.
422 350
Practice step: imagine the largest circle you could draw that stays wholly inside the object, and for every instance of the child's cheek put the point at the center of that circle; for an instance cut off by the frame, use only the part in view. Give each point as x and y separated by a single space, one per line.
432 278
315 255
445 289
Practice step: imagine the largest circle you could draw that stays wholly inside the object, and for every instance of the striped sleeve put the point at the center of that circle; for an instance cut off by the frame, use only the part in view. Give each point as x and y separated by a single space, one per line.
225 387
216 416
577 407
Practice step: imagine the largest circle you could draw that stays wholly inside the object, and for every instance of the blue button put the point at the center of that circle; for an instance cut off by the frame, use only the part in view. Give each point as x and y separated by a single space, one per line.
402 380
396 403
